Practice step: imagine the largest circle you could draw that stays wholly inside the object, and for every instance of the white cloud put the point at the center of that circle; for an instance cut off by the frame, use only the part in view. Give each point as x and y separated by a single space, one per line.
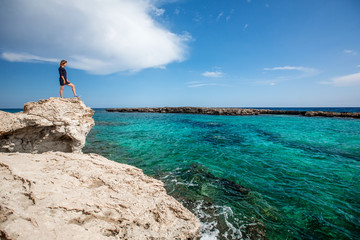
358 66
101 37
245 27
203 85
345 81
196 84
229 16
193 82
159 11
302 69
23 57
219 16
215 74
286 73
186 36
351 52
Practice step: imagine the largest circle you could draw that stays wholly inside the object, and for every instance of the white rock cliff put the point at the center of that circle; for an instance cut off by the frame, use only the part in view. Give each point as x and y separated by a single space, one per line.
58 195
55 124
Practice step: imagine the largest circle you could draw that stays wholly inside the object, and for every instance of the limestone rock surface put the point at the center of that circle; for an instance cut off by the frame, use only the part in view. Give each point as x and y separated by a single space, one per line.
85 196
55 124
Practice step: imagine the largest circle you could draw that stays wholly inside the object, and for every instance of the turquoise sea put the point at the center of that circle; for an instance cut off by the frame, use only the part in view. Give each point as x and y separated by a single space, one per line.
246 177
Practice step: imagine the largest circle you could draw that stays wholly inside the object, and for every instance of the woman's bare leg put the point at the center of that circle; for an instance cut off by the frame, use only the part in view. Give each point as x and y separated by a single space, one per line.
73 88
61 91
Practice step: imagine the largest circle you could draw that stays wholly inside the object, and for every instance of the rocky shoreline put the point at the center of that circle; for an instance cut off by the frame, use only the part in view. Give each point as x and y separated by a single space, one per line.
49 189
235 111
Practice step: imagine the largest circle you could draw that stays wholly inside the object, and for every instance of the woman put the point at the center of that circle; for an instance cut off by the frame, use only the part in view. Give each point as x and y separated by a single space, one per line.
63 79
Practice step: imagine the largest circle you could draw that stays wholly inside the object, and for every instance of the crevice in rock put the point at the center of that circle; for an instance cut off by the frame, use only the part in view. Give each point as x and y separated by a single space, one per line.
91 215
4 236
31 197
5 213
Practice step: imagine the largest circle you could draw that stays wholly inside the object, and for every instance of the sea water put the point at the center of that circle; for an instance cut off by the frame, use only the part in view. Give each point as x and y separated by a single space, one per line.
246 177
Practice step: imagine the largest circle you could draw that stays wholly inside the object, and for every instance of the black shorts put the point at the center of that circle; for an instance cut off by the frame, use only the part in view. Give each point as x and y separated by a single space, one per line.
62 82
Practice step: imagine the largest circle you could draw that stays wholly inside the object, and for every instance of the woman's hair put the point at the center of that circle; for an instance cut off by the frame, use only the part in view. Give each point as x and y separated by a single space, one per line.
62 62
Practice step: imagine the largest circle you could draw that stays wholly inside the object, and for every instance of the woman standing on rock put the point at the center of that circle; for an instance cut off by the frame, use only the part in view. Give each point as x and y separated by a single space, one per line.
63 79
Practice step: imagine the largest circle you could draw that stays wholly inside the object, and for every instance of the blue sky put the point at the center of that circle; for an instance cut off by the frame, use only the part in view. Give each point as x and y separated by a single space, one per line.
229 53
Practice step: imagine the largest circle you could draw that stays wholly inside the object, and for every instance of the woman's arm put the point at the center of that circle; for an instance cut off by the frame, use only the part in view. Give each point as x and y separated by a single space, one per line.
63 79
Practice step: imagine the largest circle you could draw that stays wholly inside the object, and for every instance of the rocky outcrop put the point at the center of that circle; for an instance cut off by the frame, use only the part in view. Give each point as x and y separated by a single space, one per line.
85 196
235 111
55 124
70 195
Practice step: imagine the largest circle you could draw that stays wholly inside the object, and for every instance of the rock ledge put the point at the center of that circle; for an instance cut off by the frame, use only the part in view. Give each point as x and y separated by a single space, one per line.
55 124
86 196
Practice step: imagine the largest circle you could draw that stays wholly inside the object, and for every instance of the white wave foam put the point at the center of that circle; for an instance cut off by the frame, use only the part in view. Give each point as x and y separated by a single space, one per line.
209 224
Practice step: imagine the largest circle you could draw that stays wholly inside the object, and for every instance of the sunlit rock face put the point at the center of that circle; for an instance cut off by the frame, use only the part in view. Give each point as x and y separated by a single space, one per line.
55 124
57 195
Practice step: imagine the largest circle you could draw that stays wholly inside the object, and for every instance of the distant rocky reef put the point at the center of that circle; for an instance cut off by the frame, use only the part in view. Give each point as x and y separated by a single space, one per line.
235 111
